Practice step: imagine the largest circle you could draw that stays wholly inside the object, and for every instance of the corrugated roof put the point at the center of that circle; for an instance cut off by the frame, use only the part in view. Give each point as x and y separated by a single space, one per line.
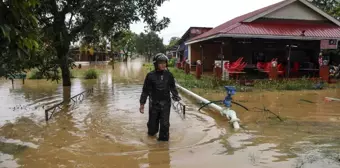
234 22
287 29
238 26
186 34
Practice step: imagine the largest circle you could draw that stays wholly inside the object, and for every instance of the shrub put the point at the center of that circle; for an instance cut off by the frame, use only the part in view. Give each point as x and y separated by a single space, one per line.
91 74
35 74
111 62
209 82
172 62
286 84
72 74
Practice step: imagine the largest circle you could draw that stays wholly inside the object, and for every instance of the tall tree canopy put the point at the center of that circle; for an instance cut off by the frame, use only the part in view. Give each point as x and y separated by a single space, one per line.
124 41
332 7
149 44
64 21
18 36
173 42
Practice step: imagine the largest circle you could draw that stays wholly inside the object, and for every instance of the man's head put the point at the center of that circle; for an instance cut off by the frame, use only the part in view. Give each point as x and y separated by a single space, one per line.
160 62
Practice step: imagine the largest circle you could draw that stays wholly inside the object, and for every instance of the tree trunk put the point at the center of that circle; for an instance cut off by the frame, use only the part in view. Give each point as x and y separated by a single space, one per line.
66 95
125 56
62 42
65 73
64 65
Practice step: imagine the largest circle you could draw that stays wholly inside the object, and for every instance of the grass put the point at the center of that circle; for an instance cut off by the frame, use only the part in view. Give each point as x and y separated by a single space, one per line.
84 73
35 74
91 74
286 84
209 82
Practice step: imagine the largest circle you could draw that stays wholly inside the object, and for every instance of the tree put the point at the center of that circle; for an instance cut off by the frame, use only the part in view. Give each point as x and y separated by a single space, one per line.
149 45
93 43
18 36
124 41
64 21
173 42
332 7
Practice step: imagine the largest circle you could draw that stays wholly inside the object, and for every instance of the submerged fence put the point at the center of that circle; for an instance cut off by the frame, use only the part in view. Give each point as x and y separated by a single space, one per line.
60 106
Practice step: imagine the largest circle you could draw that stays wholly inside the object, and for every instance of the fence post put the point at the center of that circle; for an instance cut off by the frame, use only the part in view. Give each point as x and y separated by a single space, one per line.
187 67
273 74
324 72
218 71
198 69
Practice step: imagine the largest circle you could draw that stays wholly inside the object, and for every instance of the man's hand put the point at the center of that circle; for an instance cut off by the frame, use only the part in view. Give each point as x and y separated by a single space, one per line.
141 108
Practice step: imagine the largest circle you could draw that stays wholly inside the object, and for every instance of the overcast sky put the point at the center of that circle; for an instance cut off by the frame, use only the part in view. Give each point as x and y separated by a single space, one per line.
201 13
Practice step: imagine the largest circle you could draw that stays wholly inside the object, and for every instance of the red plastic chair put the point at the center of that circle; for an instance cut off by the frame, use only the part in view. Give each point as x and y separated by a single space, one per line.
260 65
234 64
241 67
296 67
239 60
281 69
267 66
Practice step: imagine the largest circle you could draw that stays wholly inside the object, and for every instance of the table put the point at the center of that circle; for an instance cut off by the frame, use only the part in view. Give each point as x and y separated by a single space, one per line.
279 73
236 73
313 70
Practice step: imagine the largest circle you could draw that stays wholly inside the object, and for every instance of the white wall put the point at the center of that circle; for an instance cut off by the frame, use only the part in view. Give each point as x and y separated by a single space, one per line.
296 11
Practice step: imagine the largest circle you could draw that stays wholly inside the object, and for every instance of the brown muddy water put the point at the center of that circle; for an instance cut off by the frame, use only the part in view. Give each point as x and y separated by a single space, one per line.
106 129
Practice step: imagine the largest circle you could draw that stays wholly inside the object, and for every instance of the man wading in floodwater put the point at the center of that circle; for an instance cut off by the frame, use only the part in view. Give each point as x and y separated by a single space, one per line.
157 85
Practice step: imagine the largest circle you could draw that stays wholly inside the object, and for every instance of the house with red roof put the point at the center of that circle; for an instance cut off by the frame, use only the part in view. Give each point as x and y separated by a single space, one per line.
192 32
291 31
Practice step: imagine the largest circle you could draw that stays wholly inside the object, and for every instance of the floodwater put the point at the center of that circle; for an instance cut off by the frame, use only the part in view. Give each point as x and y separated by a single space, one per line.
106 129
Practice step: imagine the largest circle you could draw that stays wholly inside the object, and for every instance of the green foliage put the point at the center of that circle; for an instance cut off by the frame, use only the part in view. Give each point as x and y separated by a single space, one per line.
332 7
206 82
91 19
124 41
18 36
149 45
111 62
285 84
210 83
93 41
172 43
39 74
91 74
148 67
35 74
172 62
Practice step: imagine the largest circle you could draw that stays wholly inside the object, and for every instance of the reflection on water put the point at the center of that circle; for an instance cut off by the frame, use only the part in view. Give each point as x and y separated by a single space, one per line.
159 158
106 129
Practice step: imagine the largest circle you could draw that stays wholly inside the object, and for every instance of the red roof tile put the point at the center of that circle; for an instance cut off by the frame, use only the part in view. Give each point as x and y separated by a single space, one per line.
231 23
286 29
237 26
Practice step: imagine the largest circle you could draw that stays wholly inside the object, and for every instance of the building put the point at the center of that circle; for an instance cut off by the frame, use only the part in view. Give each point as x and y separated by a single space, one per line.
171 52
87 58
182 49
293 31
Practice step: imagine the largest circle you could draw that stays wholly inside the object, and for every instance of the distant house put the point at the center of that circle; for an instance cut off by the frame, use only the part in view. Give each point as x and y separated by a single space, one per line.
182 49
86 57
172 51
293 31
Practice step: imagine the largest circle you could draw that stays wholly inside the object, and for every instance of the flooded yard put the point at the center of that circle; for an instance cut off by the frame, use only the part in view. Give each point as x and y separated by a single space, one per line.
107 130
